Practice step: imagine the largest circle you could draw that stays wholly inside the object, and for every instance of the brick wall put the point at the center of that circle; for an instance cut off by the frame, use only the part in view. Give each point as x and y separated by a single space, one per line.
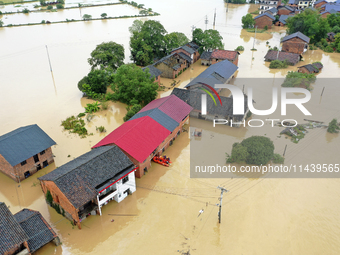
6 168
294 45
60 199
263 21
283 11
183 51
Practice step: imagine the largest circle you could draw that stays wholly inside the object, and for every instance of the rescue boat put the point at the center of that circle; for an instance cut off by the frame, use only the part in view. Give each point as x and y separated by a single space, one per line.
163 160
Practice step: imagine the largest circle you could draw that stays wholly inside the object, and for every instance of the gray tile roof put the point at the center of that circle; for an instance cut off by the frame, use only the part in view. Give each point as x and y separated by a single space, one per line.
167 60
187 49
292 58
78 179
297 34
154 72
206 55
320 1
272 10
189 59
265 14
39 232
287 7
193 45
159 116
217 73
283 18
23 143
193 98
310 68
331 11
11 233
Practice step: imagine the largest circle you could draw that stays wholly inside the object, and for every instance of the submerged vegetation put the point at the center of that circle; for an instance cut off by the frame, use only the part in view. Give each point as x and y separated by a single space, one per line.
333 126
75 125
277 64
296 79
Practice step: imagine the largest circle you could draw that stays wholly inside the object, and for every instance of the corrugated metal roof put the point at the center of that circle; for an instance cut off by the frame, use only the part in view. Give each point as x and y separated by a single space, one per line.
138 137
39 232
23 143
11 233
171 106
224 69
160 117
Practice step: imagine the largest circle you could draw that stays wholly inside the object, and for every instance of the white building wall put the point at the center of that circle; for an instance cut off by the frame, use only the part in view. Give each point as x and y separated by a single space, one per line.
121 188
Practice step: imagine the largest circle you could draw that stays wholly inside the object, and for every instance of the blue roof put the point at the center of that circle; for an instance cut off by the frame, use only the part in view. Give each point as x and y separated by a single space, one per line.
283 18
335 7
217 73
320 1
265 14
296 34
23 143
330 11
159 116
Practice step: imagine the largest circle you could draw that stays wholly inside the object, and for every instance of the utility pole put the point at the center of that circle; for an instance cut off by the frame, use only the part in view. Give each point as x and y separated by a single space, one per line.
206 22
192 31
220 205
214 18
254 38
322 91
284 153
227 4
49 61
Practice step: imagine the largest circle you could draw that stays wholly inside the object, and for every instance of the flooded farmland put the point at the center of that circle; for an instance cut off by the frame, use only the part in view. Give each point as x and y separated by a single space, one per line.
259 215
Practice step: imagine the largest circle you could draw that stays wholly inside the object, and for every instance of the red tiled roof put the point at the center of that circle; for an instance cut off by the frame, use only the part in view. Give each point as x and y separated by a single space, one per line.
171 106
138 137
224 54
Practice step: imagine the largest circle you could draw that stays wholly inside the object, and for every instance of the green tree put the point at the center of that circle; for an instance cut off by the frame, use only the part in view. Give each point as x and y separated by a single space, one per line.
97 80
209 39
248 21
42 2
143 12
60 6
136 26
132 111
87 17
260 149
107 55
147 42
103 15
25 10
132 85
310 23
296 79
333 19
239 153
175 40
333 126
49 197
1 23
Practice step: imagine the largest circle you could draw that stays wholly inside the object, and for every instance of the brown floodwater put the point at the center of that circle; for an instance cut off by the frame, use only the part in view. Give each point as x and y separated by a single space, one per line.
259 215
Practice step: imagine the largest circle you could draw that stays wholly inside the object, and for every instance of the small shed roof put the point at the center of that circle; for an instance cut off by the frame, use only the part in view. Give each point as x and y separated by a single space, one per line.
224 54
39 232
297 34
310 68
23 143
206 55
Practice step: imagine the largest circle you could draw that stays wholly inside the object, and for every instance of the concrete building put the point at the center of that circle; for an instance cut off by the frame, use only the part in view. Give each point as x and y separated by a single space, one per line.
25 151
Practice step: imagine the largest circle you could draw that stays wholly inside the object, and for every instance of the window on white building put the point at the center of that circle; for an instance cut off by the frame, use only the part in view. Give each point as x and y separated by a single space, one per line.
125 179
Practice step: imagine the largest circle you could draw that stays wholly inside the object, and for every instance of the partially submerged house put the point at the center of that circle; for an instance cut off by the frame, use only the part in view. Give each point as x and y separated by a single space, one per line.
272 11
149 132
295 43
331 36
82 186
219 73
291 58
154 73
193 98
24 151
172 64
310 68
212 57
191 52
264 20
25 232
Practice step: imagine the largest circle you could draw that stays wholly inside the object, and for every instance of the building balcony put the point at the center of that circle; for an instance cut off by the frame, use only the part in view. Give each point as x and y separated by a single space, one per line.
107 196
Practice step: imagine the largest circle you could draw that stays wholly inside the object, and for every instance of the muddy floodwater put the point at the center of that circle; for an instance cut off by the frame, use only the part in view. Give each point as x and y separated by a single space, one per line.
259 215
